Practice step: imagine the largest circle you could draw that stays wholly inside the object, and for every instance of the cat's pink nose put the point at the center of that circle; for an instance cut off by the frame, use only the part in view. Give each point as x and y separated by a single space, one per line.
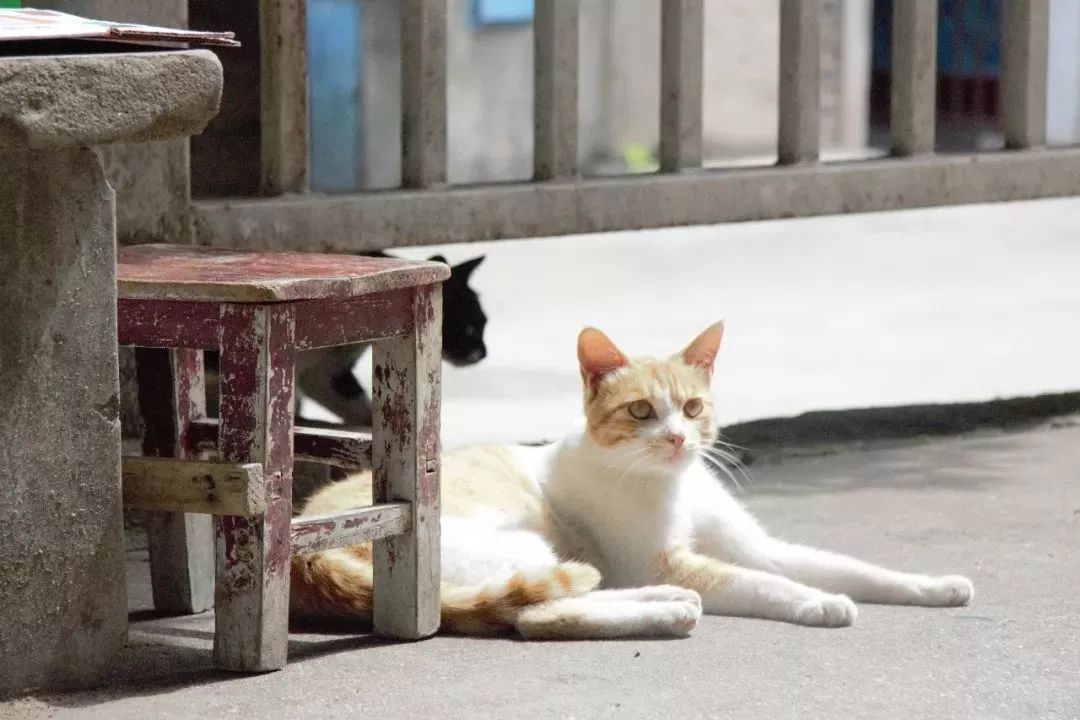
676 439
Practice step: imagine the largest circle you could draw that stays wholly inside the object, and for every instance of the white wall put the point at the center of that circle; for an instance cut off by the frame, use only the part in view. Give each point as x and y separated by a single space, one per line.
741 76
490 84
1063 81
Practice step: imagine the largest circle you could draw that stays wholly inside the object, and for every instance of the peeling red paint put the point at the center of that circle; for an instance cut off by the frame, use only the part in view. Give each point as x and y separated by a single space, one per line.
256 425
310 528
167 323
393 414
321 323
166 401
190 395
429 489
428 442
353 522
349 528
279 547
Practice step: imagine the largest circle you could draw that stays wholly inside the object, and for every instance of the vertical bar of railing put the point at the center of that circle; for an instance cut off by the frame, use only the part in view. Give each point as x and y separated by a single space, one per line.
1025 36
423 93
914 76
799 136
681 58
283 93
555 99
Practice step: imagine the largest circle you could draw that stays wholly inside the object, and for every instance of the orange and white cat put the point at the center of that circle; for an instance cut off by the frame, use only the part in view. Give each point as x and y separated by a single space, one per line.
625 502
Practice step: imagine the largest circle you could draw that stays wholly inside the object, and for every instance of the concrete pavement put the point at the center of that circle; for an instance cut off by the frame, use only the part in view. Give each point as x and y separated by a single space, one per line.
952 304
1002 508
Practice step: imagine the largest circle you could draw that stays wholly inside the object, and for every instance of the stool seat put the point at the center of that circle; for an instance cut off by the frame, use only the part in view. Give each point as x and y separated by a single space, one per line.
201 274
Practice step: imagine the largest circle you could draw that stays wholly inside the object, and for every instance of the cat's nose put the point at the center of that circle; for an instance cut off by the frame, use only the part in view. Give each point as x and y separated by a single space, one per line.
676 439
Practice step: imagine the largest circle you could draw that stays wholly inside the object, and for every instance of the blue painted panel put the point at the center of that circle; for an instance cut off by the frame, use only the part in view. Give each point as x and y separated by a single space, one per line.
334 93
969 36
502 12
881 46
969 40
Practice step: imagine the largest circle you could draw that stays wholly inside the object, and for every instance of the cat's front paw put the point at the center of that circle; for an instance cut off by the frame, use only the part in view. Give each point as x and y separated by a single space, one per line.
666 593
679 617
947 591
830 611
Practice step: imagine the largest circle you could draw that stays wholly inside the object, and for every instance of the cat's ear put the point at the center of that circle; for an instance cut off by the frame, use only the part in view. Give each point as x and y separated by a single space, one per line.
466 268
598 356
701 353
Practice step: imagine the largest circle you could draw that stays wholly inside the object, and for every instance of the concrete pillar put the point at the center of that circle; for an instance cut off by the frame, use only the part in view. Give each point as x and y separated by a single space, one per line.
62 599
151 180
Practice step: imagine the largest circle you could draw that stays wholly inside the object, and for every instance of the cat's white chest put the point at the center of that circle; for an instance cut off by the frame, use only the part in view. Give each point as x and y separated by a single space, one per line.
621 530
631 541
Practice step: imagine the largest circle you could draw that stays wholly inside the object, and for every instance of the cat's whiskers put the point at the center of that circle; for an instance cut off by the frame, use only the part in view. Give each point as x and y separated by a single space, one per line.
727 450
625 454
723 462
644 454
723 469
732 461
739 465
621 456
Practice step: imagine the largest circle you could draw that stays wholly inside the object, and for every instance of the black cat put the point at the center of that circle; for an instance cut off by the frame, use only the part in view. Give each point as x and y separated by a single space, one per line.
326 375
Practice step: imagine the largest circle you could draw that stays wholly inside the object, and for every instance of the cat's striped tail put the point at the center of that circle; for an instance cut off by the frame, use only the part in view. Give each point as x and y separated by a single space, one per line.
336 585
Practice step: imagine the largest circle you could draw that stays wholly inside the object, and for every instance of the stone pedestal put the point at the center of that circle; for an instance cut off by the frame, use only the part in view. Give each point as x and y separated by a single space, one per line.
62 598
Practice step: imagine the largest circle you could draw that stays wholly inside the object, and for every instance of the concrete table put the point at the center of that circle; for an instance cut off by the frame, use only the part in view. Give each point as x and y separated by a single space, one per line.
63 611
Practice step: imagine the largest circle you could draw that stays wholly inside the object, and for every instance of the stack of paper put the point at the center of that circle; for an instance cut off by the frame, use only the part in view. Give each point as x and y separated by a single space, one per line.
31 24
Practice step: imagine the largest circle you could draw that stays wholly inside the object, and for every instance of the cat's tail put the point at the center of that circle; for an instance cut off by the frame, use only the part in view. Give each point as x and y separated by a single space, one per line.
336 585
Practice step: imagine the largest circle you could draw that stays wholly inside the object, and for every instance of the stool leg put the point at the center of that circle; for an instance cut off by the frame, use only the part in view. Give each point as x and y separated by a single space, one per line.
256 381
171 395
406 385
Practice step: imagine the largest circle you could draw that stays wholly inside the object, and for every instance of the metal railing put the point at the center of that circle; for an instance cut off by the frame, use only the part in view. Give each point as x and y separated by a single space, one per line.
558 201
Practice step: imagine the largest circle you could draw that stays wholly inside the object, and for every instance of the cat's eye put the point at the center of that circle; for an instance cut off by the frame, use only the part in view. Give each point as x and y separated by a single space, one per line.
692 408
641 409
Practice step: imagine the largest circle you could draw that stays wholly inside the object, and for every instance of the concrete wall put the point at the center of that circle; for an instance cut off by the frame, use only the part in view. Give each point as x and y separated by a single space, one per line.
150 178
489 100
225 157
741 71
1063 82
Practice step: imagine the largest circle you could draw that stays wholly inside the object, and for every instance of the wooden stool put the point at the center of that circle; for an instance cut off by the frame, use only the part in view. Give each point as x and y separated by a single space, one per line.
258 310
